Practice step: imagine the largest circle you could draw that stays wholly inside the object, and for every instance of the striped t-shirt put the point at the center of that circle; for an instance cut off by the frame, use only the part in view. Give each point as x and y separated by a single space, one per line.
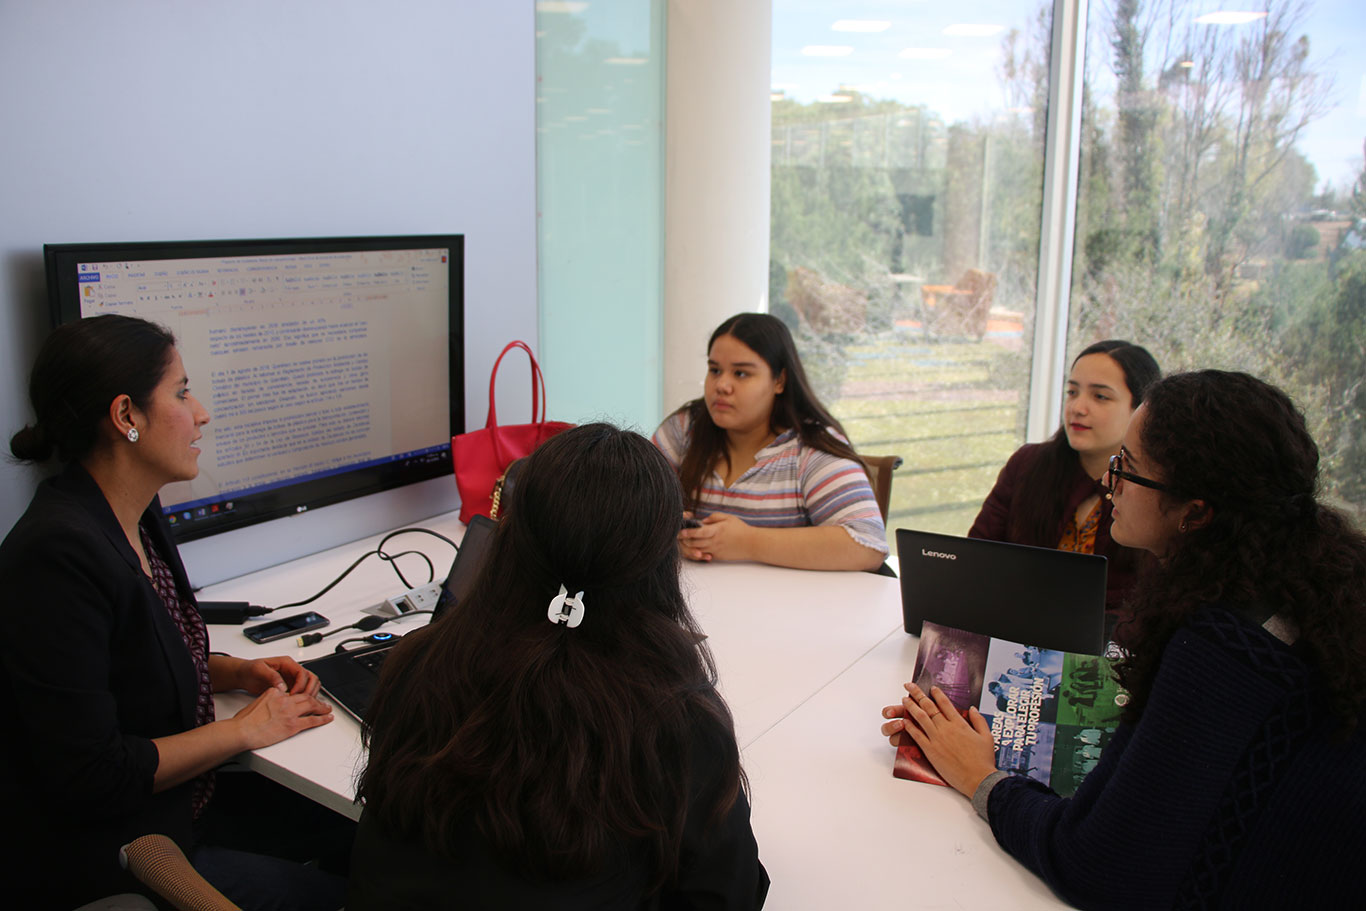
789 486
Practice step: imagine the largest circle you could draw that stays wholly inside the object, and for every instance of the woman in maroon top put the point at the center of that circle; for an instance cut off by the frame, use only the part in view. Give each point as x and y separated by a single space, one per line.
1051 494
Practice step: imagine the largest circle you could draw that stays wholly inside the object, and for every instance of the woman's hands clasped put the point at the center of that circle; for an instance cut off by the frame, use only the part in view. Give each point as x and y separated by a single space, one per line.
286 697
721 536
275 715
286 703
961 750
257 675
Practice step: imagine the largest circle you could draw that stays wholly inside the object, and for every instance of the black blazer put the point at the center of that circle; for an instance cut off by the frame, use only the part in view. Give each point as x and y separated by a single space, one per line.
92 668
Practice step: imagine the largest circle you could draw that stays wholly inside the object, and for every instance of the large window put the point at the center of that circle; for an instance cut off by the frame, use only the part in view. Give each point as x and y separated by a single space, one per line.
1221 218
1220 215
907 174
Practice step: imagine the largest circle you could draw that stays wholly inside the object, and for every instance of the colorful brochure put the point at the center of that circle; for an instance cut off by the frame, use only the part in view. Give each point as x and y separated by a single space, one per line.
1051 712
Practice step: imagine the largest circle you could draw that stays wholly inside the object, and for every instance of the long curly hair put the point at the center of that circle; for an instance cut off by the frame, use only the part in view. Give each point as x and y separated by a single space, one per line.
564 746
1241 446
795 408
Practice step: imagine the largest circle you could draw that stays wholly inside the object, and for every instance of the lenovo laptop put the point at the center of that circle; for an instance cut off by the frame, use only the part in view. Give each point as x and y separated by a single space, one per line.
349 678
1034 595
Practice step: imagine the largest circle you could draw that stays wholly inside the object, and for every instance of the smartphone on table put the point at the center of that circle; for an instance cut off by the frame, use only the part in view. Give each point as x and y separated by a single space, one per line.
284 627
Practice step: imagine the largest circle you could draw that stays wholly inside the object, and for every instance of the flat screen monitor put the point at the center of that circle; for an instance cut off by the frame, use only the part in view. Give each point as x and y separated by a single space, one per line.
331 368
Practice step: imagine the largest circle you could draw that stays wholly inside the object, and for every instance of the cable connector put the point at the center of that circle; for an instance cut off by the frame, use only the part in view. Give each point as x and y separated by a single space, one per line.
366 641
364 624
230 612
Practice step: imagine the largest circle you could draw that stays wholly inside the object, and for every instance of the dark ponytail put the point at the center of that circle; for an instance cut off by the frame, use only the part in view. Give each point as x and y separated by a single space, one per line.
31 444
81 368
562 746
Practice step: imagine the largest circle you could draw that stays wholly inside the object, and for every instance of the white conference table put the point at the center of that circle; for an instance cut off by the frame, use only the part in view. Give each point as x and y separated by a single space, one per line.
836 830
806 661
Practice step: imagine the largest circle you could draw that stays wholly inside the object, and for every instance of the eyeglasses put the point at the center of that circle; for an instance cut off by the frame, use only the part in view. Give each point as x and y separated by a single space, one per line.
1117 474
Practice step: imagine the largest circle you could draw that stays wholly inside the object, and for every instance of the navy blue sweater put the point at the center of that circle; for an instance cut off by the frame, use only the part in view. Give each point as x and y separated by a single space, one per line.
1231 791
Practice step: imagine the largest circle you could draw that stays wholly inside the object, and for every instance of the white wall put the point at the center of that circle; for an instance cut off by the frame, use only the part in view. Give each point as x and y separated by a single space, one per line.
716 227
162 120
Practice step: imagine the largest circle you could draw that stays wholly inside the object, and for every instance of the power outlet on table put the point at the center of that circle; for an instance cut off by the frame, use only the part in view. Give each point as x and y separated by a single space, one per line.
424 597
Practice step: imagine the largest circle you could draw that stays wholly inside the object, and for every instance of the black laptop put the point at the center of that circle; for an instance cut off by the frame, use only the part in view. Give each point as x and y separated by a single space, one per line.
1035 595
349 678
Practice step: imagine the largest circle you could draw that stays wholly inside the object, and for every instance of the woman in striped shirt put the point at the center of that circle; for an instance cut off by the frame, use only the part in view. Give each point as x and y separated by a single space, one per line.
767 473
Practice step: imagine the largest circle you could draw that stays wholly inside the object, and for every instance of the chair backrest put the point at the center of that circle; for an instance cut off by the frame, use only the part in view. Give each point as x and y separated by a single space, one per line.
880 470
981 284
974 308
827 306
158 863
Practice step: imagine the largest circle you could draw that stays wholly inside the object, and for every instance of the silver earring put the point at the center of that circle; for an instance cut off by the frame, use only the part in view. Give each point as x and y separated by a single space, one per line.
132 434
1183 526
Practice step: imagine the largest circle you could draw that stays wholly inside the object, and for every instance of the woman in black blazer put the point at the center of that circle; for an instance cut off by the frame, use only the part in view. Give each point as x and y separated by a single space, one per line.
105 665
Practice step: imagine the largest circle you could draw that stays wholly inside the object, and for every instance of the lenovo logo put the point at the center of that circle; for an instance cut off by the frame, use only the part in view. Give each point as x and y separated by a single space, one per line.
937 555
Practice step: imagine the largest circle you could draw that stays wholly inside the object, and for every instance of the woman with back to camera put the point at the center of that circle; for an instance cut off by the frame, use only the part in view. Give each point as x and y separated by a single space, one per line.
764 466
1051 494
105 659
1235 779
558 741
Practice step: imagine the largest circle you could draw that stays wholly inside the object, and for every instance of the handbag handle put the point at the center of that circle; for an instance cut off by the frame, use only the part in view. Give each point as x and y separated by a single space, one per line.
537 398
537 386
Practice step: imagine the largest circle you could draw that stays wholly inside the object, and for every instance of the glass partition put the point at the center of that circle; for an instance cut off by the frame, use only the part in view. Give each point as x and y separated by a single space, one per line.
600 206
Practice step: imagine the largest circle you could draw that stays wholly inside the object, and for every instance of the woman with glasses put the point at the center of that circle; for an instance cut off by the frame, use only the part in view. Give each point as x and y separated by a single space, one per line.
1235 779
1051 494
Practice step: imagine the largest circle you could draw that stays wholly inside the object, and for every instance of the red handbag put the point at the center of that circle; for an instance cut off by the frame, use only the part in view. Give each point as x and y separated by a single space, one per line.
482 456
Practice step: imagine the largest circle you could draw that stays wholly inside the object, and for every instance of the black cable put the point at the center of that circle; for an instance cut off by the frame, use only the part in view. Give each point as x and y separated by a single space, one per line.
364 624
431 571
388 558
372 639
393 562
229 612
331 585
424 531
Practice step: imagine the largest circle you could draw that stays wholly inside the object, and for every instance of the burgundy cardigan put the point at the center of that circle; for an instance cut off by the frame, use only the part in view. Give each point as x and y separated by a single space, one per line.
993 522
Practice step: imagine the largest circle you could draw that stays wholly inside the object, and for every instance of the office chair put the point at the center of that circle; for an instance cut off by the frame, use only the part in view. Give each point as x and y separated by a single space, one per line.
880 470
961 309
124 902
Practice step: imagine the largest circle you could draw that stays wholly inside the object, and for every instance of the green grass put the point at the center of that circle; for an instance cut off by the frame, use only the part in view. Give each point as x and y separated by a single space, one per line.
938 407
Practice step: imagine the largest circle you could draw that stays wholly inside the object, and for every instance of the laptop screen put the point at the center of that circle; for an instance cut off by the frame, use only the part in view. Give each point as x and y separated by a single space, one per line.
1049 598
468 561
